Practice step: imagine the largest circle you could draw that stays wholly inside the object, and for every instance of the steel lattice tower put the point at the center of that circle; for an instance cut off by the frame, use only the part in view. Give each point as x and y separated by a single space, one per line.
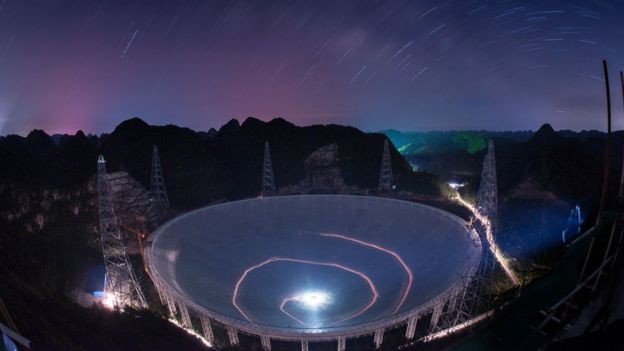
487 197
385 177
475 297
157 187
268 181
121 282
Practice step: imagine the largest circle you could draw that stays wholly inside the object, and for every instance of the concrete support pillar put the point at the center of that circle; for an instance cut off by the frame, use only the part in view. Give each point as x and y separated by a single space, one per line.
435 315
342 343
412 323
207 328
304 345
378 338
265 340
184 313
233 335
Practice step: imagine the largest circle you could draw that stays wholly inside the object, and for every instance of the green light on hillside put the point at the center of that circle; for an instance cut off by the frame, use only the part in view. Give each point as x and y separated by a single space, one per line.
471 142
403 149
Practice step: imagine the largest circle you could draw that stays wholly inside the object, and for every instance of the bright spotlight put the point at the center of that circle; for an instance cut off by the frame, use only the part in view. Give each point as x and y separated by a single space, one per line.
313 299
109 300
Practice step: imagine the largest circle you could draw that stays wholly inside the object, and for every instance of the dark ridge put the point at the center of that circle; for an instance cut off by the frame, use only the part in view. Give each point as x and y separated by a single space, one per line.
546 136
131 125
230 127
40 142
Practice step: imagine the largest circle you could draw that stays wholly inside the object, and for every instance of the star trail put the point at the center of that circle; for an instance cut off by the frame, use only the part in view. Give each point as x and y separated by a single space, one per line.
411 65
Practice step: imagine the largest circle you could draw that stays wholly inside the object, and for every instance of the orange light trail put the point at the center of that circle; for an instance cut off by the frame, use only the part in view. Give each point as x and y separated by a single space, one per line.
282 308
410 274
327 264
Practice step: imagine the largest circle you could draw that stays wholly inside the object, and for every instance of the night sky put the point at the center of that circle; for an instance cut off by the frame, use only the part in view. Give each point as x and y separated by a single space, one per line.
410 65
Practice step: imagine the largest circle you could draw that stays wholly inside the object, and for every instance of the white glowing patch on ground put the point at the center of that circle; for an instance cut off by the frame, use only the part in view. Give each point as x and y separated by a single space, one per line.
109 300
313 300
192 332
455 185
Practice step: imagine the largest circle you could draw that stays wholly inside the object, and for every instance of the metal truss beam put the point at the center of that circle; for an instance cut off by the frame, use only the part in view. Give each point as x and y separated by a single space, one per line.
265 341
184 313
412 323
207 329
378 338
233 336
342 343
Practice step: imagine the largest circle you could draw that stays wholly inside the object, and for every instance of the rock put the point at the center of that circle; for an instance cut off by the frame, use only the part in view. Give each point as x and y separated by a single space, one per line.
134 205
323 174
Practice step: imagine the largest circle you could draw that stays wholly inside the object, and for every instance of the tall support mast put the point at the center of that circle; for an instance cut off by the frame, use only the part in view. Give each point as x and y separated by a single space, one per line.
121 283
157 188
487 197
487 211
386 179
268 181
475 296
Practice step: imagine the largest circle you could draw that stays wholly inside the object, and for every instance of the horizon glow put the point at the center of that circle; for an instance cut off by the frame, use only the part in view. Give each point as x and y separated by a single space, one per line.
413 66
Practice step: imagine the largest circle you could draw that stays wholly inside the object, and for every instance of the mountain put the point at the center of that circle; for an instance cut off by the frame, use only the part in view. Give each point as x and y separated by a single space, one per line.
200 169
541 176
48 201
546 137
49 239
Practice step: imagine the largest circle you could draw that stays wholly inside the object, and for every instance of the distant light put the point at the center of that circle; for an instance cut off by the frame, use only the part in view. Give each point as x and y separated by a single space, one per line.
456 185
98 293
313 299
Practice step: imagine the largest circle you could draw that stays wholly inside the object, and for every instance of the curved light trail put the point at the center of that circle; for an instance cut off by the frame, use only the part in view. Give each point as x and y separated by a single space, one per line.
318 263
297 298
410 274
283 309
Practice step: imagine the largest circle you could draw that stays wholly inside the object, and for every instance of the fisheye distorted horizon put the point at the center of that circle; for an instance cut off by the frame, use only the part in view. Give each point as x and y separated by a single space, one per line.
408 65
